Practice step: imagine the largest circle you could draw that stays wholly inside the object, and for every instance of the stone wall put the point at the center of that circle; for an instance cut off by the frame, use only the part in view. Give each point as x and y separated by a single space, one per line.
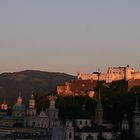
132 83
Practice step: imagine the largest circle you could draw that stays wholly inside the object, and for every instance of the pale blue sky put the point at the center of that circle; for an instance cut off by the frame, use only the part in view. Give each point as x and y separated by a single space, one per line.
69 35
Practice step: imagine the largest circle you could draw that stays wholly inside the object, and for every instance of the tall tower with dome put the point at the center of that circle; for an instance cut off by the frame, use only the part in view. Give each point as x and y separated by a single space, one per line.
19 109
31 111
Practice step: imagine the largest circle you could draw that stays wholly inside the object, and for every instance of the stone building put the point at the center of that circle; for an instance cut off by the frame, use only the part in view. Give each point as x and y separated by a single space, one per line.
27 123
112 74
77 87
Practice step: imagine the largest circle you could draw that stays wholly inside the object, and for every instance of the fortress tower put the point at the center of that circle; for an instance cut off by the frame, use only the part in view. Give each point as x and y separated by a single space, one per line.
128 72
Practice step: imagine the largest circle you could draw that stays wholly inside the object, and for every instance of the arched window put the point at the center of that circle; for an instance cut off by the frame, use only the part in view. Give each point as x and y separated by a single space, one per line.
86 122
70 134
54 115
33 124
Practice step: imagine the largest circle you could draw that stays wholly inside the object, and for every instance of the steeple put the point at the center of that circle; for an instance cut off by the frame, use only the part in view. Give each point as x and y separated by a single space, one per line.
99 112
19 99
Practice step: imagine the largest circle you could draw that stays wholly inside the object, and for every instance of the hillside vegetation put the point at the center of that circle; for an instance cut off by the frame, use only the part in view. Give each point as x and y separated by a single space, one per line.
28 82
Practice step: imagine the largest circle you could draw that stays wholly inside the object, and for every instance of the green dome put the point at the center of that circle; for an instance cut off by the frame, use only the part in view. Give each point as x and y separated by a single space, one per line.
19 107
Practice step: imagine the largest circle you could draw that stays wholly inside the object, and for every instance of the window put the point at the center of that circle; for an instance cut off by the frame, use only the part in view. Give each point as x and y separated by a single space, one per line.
33 124
70 135
54 115
89 137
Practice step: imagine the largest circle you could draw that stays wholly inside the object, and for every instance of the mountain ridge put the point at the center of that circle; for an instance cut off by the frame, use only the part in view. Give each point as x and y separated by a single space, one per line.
27 82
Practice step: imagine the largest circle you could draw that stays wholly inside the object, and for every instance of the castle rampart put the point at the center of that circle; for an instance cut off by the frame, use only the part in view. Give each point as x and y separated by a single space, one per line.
112 74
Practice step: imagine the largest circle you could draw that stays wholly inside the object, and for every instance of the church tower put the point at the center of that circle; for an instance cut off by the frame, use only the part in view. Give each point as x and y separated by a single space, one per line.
31 111
125 123
52 113
99 112
52 103
136 120
19 109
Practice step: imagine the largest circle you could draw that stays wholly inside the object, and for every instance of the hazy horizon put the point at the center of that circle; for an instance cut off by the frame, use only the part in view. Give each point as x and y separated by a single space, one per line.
69 36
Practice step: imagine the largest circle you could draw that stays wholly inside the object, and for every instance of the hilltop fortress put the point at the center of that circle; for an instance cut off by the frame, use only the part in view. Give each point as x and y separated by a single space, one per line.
112 74
87 82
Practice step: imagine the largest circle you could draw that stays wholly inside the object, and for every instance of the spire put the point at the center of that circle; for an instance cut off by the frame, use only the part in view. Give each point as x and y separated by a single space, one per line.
99 112
99 104
19 99
32 96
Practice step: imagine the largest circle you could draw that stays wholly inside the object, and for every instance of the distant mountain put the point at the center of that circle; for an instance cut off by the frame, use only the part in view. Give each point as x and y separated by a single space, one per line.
28 82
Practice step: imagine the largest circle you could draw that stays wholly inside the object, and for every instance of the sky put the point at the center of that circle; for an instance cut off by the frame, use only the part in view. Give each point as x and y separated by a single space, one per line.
69 35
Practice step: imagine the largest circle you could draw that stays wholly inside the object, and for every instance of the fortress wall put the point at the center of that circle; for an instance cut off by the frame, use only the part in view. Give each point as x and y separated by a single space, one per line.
103 76
132 83
118 76
136 75
113 74
88 76
83 85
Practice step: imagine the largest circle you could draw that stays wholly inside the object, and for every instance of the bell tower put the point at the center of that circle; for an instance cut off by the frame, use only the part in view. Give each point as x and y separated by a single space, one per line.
32 102
125 123
31 111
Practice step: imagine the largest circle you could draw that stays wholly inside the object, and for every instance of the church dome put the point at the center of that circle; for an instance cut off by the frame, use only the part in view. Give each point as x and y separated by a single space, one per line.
19 107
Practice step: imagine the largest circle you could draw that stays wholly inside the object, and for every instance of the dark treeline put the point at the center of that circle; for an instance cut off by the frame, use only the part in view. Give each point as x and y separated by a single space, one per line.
116 101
